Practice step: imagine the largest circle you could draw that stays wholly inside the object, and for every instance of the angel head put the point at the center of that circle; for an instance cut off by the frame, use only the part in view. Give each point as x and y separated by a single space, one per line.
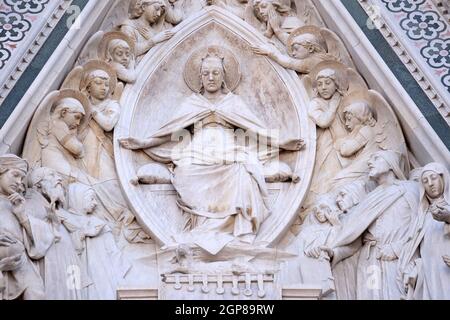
96 84
307 44
212 72
150 10
358 114
70 111
327 83
119 51
262 8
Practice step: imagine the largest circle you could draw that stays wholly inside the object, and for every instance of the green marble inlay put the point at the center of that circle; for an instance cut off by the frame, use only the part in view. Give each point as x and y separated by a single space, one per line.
400 71
32 71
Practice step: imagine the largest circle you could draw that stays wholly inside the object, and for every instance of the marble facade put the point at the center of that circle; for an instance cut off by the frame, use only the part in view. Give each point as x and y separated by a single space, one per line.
226 149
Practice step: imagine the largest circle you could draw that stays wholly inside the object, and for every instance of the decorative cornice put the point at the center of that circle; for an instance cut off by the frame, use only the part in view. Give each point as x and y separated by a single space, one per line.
33 48
378 21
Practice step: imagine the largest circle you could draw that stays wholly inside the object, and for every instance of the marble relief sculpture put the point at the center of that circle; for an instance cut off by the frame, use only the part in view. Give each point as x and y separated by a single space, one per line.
95 243
329 83
119 51
214 112
425 263
198 168
149 23
379 229
308 46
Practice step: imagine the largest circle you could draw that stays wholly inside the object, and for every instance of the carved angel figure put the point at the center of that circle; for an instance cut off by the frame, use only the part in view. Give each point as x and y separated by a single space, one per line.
307 47
53 140
277 18
98 82
372 126
215 160
64 136
116 49
149 21
328 83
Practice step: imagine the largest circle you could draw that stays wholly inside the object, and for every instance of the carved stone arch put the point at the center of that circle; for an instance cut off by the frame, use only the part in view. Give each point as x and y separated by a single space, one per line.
147 100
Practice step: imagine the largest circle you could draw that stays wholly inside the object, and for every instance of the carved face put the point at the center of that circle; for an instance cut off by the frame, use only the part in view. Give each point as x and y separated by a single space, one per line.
52 187
11 182
326 87
433 184
99 87
122 54
344 201
262 9
212 74
72 119
90 201
300 51
321 211
377 166
153 11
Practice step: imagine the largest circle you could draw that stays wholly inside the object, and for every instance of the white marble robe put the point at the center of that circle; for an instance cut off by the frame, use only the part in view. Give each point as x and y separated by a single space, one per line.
429 241
228 176
25 281
381 220
61 268
100 256
330 128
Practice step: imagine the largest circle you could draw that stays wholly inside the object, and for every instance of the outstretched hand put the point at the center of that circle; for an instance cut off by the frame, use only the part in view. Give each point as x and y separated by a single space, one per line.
163 36
293 145
131 143
263 50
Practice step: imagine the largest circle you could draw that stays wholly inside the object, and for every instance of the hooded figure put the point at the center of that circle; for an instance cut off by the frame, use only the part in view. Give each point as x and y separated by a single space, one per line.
428 277
95 243
379 229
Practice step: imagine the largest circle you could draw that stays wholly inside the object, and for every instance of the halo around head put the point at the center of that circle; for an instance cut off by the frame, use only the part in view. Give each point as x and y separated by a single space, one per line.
361 96
93 65
114 35
193 67
315 31
69 93
340 73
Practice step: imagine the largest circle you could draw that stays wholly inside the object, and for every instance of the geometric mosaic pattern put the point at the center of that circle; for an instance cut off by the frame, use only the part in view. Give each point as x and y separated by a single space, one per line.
16 20
423 24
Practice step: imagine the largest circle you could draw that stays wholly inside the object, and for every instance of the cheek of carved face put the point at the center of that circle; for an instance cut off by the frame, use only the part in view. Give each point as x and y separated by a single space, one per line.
300 51
326 87
263 10
320 213
72 119
344 201
351 122
90 202
153 12
377 166
433 184
212 75
99 88
12 181
122 56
